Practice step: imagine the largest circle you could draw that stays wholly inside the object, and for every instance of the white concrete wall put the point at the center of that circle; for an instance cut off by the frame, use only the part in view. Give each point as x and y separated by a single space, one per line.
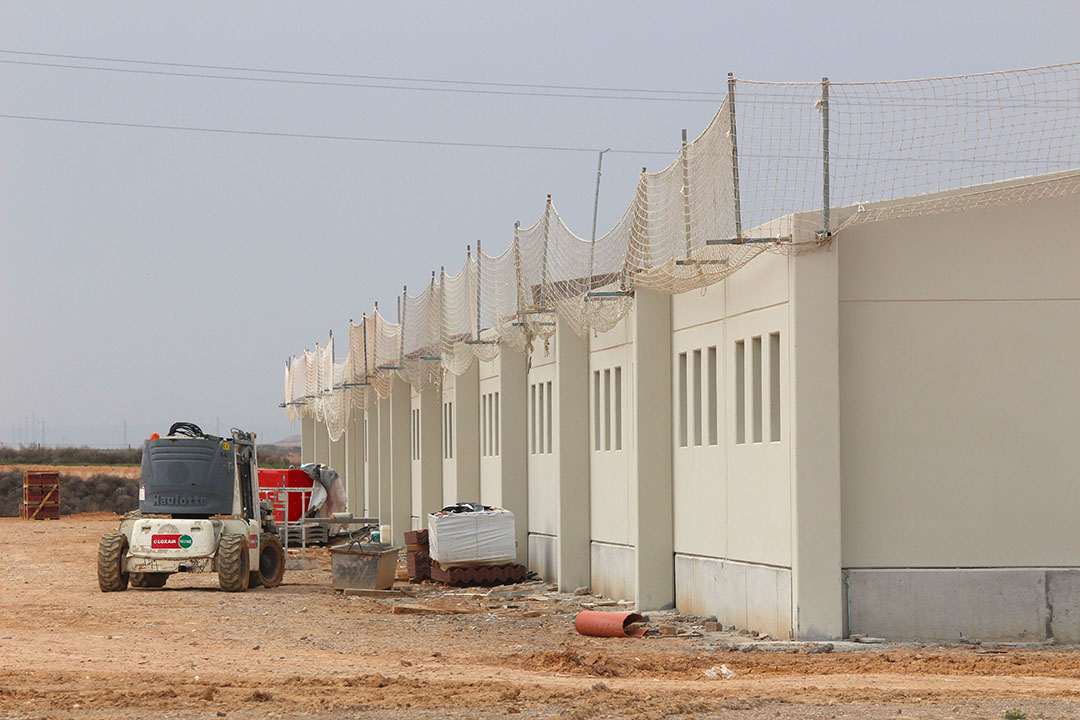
490 433
371 459
354 464
400 462
959 356
307 439
612 462
461 454
732 494
543 470
503 457
425 448
959 353
558 494
322 444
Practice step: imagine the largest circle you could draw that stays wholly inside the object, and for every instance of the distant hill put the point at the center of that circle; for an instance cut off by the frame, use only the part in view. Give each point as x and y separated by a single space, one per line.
291 441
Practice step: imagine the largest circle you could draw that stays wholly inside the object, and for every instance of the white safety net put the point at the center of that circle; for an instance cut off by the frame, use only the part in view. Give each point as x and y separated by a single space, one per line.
782 167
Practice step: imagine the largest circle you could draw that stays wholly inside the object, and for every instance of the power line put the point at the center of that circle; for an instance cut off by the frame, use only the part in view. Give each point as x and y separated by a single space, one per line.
375 86
311 136
354 76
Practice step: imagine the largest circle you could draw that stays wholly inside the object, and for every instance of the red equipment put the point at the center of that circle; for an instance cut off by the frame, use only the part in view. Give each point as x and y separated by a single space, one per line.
270 480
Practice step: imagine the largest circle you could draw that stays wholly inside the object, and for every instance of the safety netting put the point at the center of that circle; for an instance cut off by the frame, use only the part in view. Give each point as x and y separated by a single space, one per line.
782 168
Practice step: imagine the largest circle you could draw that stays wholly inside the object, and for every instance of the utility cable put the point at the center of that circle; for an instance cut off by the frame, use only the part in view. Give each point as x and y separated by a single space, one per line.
354 76
376 86
312 136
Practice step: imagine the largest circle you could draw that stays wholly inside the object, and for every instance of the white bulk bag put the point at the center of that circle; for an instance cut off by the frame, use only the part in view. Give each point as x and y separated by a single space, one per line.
472 538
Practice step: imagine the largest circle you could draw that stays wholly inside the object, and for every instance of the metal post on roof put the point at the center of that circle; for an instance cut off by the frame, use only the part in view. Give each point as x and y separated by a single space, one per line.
595 208
734 157
401 324
367 374
479 286
544 266
685 191
826 200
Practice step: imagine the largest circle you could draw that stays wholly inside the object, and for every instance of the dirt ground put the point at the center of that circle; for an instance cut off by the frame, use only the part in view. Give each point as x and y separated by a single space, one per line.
302 650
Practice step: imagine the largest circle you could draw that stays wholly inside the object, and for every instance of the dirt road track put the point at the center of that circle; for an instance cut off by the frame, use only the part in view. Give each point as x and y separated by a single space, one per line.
190 651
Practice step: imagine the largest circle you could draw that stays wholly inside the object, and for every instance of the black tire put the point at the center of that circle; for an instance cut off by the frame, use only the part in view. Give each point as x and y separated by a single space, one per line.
232 563
149 580
271 560
110 563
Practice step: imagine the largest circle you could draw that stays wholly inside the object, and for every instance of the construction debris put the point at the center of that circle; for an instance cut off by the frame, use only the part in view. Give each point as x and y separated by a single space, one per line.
600 623
719 673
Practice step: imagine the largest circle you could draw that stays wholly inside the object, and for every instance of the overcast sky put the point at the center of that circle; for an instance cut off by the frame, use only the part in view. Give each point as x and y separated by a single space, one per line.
151 275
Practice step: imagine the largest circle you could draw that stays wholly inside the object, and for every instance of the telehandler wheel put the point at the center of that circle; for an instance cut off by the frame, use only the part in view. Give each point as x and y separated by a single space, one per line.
232 563
149 580
271 560
110 563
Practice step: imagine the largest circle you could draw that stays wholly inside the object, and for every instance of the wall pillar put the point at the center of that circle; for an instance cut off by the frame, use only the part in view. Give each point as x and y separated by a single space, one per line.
816 586
466 430
385 460
337 456
400 515
430 485
512 447
653 510
322 444
354 463
572 445
307 439
371 456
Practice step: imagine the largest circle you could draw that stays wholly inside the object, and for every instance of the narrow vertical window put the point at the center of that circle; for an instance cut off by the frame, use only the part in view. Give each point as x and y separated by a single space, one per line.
532 418
740 392
496 423
549 409
697 397
607 409
756 370
683 412
618 408
710 381
596 410
540 418
774 387
450 418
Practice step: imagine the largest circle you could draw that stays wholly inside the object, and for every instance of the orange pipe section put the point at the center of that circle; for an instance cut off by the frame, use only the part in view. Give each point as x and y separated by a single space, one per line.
607 624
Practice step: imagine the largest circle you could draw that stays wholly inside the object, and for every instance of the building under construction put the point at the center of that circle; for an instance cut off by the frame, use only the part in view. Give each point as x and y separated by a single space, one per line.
818 380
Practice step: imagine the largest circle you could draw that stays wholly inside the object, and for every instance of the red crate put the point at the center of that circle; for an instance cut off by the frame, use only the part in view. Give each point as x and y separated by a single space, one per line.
270 480
41 495
39 477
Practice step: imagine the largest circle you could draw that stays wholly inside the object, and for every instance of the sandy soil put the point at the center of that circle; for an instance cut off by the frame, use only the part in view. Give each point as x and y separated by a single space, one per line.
127 471
301 650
